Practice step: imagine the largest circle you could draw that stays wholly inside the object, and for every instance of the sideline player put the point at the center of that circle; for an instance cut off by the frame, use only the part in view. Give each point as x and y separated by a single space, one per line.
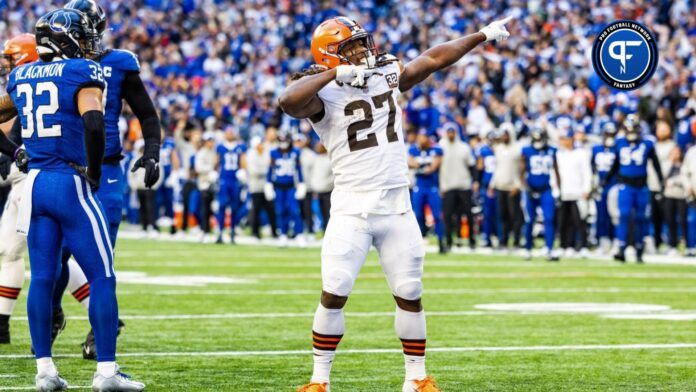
351 99
60 104
631 167
538 163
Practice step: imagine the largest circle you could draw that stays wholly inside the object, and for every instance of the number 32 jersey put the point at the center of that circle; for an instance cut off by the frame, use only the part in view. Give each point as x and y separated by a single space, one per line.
45 94
361 130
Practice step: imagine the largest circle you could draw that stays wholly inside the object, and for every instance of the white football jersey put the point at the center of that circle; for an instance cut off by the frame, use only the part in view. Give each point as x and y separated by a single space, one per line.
362 132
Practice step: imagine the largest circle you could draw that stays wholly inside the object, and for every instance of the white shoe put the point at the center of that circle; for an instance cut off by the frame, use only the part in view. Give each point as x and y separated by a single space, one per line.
283 241
649 245
301 241
569 253
119 382
527 254
672 252
584 253
605 245
46 383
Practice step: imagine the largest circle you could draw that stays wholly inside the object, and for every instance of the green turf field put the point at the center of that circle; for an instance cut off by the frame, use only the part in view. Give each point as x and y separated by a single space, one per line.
251 330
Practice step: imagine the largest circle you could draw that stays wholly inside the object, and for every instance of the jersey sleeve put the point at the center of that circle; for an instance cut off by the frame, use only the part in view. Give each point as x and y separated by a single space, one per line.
128 61
82 74
438 151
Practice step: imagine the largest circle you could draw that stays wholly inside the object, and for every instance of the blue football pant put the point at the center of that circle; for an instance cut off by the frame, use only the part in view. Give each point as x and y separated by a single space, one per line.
110 194
430 196
633 203
547 203
288 211
691 223
489 210
65 211
229 196
604 228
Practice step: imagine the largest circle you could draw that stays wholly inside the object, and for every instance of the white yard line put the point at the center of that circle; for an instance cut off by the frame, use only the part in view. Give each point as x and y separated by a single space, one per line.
589 347
474 291
279 315
33 388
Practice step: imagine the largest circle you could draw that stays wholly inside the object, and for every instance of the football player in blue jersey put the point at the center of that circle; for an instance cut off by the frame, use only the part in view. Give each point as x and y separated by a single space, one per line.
426 157
60 106
538 164
285 185
489 207
231 159
603 157
121 71
631 168
169 164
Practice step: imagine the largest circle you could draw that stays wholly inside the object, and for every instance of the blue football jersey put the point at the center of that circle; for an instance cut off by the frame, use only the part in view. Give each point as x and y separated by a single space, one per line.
539 166
485 152
168 147
633 158
115 65
602 160
230 155
284 167
45 97
425 158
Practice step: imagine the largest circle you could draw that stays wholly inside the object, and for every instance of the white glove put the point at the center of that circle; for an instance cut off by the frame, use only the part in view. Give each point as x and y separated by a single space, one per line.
300 191
496 30
355 75
269 191
241 176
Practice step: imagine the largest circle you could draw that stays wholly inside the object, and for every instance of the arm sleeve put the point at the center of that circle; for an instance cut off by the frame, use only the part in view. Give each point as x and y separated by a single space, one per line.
95 140
612 172
139 101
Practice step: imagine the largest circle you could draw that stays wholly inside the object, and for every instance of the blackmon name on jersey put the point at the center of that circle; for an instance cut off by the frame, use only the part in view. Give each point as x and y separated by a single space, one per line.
362 132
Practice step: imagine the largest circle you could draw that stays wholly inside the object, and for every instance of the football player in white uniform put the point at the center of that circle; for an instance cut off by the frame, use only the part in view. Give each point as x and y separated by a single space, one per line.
351 99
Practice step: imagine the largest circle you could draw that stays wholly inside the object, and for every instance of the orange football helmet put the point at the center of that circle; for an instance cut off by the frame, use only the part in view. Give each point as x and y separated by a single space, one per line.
333 34
19 50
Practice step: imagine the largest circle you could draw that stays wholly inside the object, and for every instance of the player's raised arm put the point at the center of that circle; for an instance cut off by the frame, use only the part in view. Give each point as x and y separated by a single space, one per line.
300 100
89 104
443 55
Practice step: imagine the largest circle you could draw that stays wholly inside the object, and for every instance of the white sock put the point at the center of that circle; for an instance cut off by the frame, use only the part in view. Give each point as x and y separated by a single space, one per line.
327 331
77 283
11 281
410 328
46 366
106 369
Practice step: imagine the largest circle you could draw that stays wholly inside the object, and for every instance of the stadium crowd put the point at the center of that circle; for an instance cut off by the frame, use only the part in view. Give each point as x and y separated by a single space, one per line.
216 68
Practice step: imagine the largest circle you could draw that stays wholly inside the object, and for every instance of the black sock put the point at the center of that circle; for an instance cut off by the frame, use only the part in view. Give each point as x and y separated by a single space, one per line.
4 319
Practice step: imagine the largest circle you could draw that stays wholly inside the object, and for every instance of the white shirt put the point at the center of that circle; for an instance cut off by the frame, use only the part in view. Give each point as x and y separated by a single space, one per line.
322 176
506 176
575 172
257 168
662 149
689 170
457 158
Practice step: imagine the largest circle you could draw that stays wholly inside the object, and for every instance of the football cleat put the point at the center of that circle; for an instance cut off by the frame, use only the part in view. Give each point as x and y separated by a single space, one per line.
46 383
89 348
425 385
314 387
620 256
119 382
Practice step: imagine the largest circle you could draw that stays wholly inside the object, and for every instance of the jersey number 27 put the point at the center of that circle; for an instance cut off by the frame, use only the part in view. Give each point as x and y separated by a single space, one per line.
371 140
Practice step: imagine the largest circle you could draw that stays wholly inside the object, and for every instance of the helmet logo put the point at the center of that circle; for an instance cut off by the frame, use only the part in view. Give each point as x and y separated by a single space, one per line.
60 22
